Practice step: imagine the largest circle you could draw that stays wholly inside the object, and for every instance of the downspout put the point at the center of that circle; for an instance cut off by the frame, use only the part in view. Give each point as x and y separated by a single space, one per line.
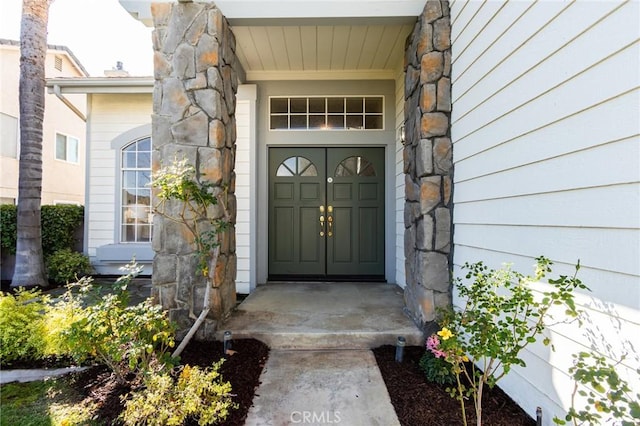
56 90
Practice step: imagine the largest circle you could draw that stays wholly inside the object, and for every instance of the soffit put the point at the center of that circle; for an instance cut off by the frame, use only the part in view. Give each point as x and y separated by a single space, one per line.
314 39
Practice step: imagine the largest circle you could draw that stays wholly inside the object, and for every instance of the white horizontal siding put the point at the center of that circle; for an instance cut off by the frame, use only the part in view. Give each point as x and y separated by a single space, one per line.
400 276
110 116
546 134
243 195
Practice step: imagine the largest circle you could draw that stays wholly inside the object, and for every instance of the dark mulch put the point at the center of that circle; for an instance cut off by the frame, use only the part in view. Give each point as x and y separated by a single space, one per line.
418 402
242 369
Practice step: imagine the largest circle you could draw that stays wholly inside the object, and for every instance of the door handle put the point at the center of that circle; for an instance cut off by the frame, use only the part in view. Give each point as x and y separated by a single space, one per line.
330 220
322 221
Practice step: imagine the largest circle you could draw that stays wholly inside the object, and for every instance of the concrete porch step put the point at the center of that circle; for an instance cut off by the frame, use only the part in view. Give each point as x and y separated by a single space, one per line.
323 316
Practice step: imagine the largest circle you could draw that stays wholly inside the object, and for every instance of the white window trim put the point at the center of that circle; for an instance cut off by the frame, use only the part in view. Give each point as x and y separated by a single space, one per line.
55 148
117 145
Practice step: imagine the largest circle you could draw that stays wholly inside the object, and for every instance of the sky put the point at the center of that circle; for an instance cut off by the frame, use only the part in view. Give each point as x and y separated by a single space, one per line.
98 32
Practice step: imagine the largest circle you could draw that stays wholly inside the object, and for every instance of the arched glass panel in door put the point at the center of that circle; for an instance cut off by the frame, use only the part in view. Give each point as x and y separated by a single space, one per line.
296 166
355 166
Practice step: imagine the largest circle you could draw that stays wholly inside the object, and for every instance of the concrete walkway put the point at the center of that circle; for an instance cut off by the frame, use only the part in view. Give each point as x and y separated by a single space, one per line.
320 369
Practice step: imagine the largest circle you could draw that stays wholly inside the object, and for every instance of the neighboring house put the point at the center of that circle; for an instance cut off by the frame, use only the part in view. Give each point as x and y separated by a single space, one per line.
117 205
63 137
500 131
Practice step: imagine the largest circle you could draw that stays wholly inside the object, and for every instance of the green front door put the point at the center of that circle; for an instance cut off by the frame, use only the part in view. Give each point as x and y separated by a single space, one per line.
326 213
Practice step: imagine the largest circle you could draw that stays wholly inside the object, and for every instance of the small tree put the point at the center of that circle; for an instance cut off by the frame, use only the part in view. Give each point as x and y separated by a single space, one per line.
192 201
500 317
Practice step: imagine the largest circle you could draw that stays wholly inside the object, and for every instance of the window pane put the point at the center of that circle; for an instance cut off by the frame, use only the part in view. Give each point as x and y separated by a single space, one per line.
373 105
143 197
316 122
8 136
144 144
373 122
144 160
298 122
335 105
279 105
129 179
128 160
279 122
143 179
61 147
335 122
310 171
317 105
72 150
283 171
354 122
354 105
298 105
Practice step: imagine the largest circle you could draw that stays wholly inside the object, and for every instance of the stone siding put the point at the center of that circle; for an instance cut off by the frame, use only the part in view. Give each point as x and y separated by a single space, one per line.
428 163
196 79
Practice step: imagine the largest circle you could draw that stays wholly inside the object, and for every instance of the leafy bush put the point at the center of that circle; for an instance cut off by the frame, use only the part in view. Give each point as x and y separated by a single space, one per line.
127 339
434 364
22 325
66 265
59 224
500 317
198 394
608 398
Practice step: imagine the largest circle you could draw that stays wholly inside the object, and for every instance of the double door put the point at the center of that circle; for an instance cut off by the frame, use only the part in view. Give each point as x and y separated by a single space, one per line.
326 213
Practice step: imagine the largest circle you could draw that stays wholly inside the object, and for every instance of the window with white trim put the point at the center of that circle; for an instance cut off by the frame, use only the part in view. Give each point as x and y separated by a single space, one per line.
326 113
9 136
136 218
67 148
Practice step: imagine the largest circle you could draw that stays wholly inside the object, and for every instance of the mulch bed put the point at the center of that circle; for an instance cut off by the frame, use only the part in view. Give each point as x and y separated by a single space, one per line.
418 402
242 369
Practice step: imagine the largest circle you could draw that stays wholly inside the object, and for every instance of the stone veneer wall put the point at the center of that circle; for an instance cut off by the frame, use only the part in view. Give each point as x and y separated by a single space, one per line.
428 163
194 118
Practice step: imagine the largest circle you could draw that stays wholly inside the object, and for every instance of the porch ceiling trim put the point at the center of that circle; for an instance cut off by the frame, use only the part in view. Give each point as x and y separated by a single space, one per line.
321 75
260 9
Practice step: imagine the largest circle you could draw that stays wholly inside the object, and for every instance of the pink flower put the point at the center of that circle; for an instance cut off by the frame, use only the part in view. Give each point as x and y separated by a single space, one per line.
433 343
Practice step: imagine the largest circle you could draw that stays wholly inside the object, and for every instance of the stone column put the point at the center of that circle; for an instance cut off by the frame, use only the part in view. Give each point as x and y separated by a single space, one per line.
428 163
194 106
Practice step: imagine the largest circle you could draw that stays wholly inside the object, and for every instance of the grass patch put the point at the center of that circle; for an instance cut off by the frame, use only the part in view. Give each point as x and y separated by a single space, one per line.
51 402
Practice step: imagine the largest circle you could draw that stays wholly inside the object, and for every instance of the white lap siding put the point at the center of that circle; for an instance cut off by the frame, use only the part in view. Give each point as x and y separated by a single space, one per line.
111 115
545 126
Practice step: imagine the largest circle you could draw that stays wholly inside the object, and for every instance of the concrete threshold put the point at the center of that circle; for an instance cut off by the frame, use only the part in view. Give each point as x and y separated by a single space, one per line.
323 316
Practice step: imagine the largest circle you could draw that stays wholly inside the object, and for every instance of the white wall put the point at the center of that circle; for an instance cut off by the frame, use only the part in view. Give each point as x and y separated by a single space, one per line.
545 126
399 182
245 144
110 116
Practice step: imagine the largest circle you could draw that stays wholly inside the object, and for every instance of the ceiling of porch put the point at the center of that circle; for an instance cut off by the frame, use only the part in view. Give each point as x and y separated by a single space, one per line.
321 51
313 39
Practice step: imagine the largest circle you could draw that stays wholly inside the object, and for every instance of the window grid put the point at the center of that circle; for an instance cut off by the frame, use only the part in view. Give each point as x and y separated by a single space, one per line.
326 113
136 217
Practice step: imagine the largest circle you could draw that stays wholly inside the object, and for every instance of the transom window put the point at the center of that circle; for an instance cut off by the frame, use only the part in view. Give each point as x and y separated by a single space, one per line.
327 113
136 216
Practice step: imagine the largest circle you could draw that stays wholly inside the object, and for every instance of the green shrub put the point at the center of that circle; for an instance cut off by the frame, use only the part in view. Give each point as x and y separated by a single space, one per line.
65 266
127 339
59 224
434 364
198 394
22 325
8 228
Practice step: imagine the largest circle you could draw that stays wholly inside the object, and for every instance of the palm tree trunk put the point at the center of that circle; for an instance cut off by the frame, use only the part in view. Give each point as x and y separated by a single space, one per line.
29 269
